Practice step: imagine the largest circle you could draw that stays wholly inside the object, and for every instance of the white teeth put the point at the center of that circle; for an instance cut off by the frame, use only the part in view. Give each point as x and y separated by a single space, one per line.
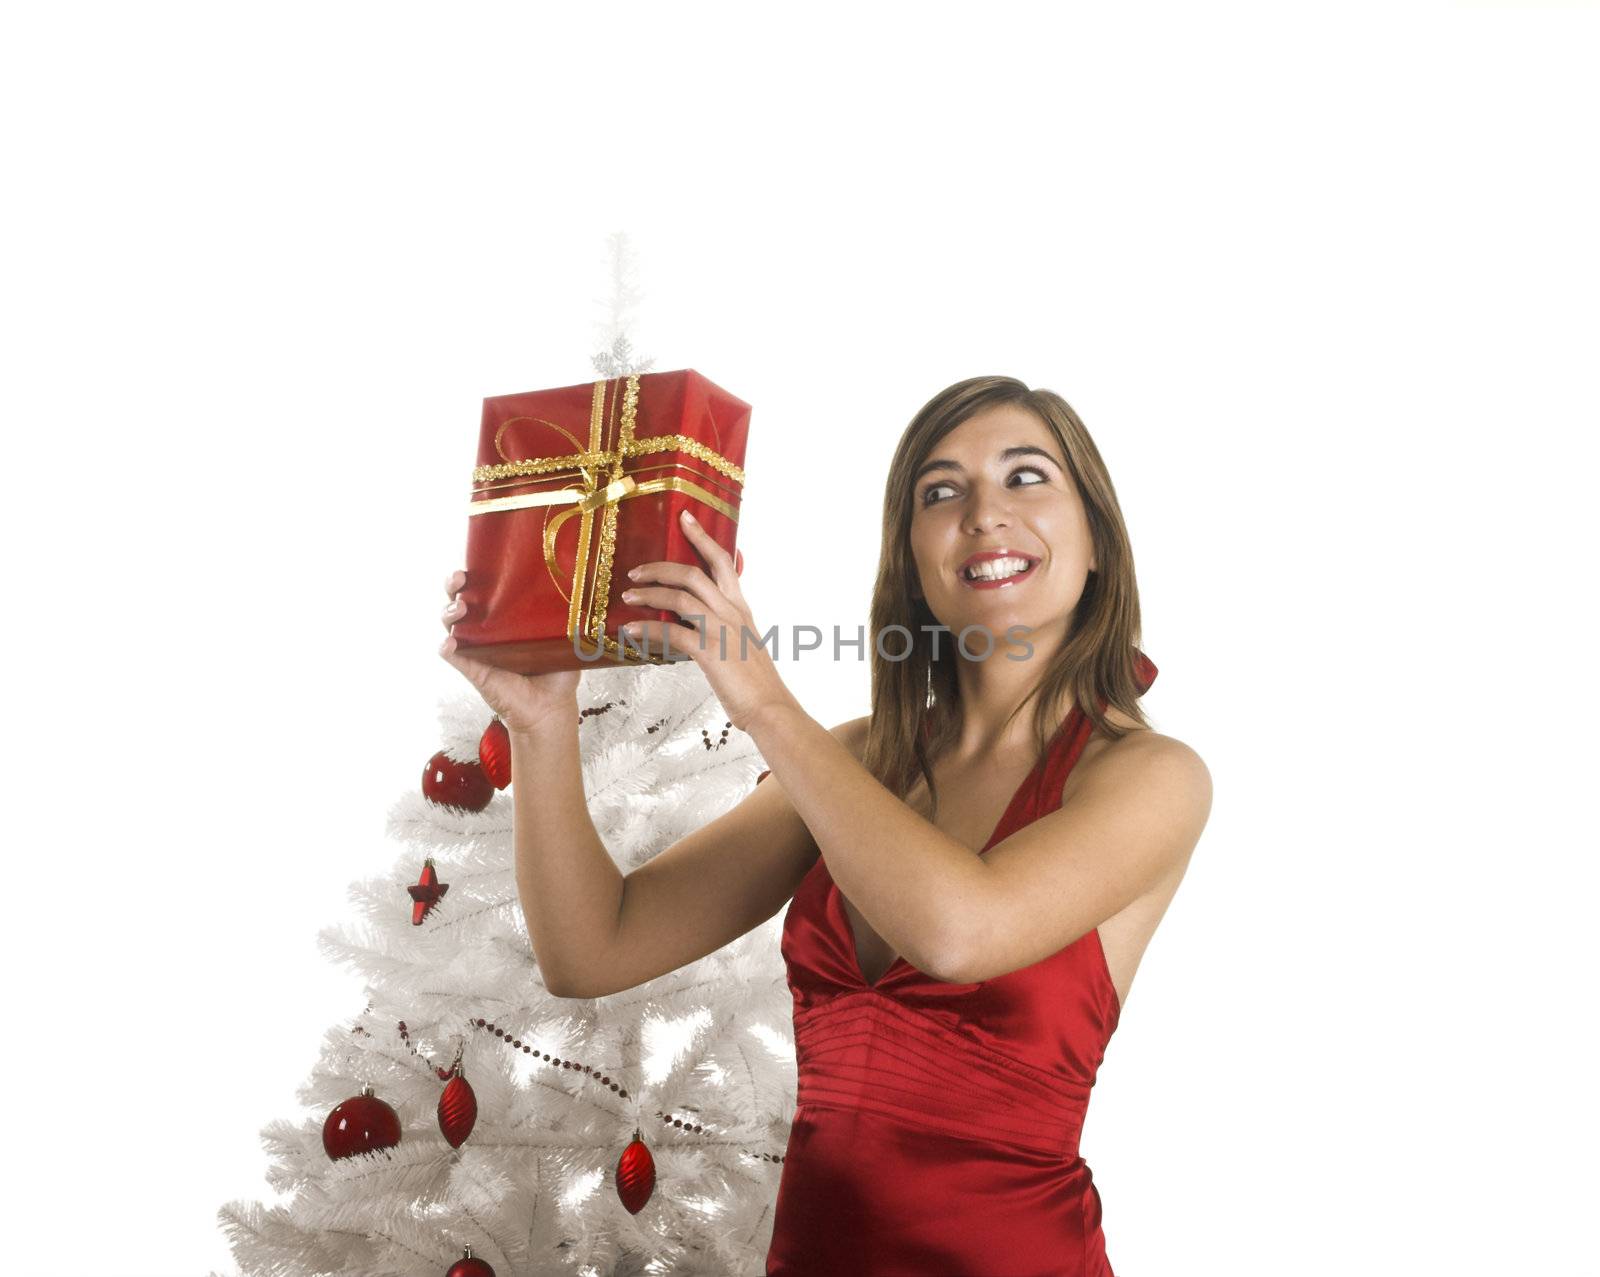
995 569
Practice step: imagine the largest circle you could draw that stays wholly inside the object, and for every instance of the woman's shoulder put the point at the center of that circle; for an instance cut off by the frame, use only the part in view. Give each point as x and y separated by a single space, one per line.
852 734
1140 756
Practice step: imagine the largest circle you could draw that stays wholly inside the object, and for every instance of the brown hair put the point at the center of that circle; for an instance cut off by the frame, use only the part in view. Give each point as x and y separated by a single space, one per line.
915 705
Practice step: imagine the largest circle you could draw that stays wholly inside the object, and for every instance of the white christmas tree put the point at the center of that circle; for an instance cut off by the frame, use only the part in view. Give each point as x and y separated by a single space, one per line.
699 1062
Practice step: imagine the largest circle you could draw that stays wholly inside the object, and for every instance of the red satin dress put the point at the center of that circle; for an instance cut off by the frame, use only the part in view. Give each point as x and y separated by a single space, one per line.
936 1127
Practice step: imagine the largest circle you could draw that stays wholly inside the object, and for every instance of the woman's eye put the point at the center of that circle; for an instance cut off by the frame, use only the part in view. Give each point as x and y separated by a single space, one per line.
929 499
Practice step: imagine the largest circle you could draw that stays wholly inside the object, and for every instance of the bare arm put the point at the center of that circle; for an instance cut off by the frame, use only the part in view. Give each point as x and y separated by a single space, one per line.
568 884
912 881
566 881
699 895
964 918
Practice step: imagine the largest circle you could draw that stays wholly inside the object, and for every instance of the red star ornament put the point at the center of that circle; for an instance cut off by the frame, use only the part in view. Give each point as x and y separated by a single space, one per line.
426 892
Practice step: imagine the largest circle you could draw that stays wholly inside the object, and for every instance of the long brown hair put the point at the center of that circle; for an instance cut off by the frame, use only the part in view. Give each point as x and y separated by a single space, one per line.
916 712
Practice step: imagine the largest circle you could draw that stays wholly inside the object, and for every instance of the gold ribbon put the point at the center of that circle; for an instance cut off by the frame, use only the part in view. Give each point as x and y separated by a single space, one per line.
594 494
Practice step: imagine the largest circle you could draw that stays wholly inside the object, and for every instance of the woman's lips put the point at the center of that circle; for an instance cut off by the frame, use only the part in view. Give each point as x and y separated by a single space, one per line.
984 584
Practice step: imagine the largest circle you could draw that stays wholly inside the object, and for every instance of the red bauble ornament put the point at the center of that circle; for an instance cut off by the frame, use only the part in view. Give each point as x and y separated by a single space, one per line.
426 892
636 1175
458 1110
453 784
467 1266
494 753
362 1124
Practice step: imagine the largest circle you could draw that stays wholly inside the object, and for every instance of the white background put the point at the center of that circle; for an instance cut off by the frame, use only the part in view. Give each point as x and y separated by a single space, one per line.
1322 281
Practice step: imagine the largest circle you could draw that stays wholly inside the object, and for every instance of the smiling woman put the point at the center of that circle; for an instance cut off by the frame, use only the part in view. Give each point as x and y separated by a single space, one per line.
990 468
940 1101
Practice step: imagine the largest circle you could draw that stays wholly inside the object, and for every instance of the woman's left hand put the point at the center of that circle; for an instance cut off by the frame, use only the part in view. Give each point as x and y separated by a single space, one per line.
716 618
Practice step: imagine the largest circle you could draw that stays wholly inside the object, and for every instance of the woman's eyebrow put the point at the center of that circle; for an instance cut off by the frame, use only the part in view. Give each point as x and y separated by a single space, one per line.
1016 450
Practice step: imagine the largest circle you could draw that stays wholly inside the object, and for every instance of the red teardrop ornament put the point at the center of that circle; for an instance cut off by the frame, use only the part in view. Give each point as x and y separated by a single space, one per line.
362 1124
458 1111
468 1266
636 1175
494 754
453 784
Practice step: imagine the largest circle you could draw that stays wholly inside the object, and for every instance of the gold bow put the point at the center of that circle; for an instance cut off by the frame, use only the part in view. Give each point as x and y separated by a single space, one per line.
590 496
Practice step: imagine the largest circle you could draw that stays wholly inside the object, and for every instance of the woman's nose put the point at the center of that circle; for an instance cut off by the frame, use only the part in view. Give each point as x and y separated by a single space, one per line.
989 508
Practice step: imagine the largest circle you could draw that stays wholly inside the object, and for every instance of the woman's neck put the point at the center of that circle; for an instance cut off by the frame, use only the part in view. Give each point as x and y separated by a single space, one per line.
991 692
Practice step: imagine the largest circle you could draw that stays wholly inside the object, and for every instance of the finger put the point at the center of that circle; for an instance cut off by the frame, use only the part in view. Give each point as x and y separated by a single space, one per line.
720 561
671 572
467 666
681 601
691 581
659 638
668 570
723 595
454 582
478 672
722 600
452 613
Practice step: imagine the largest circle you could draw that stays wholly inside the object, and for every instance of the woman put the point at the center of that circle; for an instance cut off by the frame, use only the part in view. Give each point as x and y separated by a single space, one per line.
958 972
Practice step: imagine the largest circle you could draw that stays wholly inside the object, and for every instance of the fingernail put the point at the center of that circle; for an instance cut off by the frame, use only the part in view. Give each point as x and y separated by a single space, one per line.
445 647
689 517
633 572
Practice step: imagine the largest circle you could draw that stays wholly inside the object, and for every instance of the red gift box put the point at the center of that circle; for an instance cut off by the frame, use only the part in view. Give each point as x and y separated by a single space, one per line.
572 488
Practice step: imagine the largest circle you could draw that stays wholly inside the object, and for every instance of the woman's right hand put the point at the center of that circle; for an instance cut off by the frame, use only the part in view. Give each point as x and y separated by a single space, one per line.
524 702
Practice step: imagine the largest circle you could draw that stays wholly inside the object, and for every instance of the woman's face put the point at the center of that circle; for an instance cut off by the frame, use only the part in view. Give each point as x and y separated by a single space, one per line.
1025 504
